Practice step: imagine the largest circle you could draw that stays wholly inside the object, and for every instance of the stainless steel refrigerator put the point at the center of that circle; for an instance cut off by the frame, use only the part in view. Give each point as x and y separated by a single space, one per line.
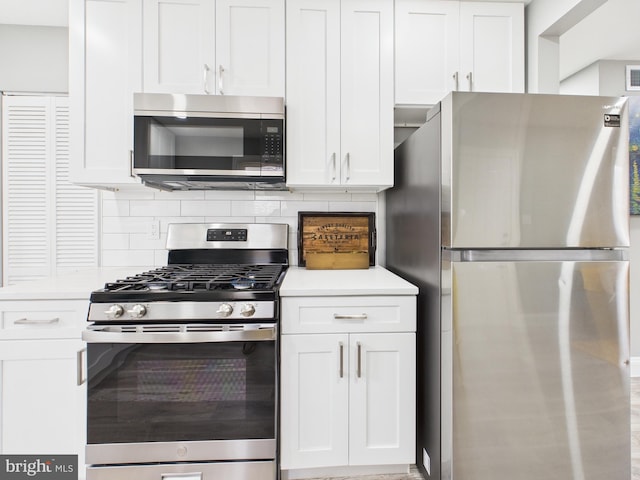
510 213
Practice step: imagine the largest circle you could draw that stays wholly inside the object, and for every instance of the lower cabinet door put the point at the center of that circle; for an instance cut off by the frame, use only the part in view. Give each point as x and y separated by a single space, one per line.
43 407
314 400
347 399
382 399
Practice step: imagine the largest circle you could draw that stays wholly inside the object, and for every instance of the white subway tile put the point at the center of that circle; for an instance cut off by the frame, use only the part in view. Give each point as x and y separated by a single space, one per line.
205 207
363 197
327 197
115 208
143 193
123 258
230 220
352 206
156 208
291 209
125 225
180 195
165 221
160 258
142 240
115 241
261 208
279 195
229 195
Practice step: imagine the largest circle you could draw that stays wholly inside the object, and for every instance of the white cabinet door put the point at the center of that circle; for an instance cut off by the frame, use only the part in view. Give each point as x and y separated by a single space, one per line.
382 399
250 47
340 94
315 403
105 68
448 45
43 408
179 51
367 93
313 92
347 399
427 50
492 46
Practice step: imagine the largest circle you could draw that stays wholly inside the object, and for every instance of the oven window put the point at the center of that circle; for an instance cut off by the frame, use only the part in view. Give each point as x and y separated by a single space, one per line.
180 392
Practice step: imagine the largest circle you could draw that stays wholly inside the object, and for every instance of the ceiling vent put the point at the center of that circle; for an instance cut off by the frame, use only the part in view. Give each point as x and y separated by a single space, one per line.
633 77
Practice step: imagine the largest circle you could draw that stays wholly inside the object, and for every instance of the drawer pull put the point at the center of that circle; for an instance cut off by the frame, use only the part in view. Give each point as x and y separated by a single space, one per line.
357 316
26 321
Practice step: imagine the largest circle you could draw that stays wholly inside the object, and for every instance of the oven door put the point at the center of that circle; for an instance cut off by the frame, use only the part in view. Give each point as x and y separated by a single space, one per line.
181 393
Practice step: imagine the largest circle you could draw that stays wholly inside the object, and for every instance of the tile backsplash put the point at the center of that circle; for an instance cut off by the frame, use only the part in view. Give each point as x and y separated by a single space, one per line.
134 223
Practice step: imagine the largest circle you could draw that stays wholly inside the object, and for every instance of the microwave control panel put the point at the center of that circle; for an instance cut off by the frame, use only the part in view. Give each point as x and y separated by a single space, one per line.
272 147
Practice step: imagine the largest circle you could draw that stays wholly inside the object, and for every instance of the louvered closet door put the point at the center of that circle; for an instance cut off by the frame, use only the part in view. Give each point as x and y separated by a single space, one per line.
49 225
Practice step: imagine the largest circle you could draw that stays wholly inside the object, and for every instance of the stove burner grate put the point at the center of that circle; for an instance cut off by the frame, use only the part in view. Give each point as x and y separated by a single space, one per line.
201 277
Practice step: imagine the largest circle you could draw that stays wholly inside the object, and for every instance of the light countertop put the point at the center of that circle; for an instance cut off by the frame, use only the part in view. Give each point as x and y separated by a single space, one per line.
75 285
300 282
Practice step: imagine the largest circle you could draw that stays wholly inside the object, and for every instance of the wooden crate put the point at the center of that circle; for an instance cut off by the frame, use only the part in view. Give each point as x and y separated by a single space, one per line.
336 240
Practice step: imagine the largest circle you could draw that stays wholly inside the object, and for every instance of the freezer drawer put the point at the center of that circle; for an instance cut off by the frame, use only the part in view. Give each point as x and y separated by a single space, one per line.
536 370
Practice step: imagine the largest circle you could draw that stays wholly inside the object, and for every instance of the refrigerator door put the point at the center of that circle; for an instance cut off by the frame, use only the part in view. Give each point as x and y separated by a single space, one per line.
534 171
538 353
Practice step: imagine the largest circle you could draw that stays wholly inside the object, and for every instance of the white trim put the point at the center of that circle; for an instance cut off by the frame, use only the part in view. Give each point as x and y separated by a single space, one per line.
635 367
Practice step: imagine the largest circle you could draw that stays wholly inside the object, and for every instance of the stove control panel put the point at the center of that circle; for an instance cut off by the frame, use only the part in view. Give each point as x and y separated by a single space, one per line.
181 311
227 235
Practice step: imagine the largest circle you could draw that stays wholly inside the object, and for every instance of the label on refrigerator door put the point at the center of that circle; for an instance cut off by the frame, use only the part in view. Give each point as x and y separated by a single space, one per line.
611 120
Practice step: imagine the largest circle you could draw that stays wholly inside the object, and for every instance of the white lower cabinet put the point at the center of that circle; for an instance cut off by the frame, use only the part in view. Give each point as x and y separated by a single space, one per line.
348 399
347 396
43 378
42 398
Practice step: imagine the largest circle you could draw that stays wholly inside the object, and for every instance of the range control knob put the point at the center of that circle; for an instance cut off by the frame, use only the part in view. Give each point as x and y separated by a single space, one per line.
137 311
224 310
115 311
247 310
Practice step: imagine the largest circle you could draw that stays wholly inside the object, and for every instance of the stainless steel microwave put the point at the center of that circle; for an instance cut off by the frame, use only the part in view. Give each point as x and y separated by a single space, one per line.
200 142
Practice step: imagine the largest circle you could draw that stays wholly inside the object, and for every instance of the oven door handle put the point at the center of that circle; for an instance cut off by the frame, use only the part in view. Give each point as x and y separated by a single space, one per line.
249 335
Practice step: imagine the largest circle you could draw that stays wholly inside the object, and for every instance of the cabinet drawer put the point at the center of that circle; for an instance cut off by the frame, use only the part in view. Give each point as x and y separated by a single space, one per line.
348 314
42 319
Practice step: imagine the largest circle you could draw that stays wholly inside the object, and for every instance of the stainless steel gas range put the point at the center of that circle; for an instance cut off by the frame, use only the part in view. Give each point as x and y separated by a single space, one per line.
182 361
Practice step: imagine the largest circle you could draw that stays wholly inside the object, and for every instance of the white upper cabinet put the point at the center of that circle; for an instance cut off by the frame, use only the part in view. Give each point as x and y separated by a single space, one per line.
492 46
340 94
250 47
225 47
105 68
443 45
179 50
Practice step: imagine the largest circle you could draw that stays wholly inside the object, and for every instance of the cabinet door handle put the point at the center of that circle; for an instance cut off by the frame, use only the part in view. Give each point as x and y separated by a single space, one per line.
205 79
26 321
80 376
341 359
359 370
333 167
455 79
348 163
220 81
470 78
356 316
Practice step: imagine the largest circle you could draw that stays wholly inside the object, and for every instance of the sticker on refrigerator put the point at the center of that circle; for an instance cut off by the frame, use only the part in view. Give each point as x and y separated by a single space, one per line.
611 120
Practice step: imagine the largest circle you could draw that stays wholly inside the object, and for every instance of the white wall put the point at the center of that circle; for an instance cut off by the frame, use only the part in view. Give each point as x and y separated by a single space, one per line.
34 59
612 32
